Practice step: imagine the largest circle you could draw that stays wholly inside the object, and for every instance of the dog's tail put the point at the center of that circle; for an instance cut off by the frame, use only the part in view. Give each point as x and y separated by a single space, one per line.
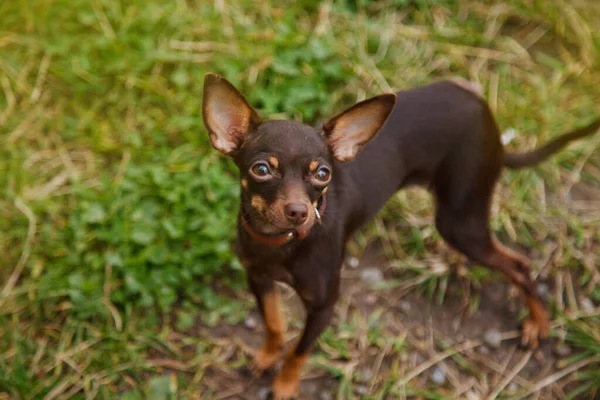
531 158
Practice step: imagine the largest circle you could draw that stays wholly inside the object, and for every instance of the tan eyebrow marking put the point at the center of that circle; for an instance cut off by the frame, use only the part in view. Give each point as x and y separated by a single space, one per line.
274 161
313 165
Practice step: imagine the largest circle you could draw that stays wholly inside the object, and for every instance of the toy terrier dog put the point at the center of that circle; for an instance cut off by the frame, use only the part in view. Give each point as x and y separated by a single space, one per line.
305 190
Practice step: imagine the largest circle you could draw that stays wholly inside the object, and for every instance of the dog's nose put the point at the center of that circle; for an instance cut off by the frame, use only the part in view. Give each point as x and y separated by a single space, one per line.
296 213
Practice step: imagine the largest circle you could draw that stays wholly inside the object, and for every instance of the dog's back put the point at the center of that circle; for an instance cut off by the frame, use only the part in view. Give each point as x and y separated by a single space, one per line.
426 125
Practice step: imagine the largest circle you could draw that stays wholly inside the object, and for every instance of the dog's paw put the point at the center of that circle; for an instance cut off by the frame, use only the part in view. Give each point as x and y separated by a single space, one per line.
262 361
284 389
533 331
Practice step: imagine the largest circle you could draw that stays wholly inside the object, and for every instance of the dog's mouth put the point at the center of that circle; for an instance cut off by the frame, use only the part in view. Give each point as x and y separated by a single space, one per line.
274 223
300 231
278 218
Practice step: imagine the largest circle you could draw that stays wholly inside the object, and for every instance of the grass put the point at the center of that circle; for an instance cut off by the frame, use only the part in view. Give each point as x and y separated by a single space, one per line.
117 217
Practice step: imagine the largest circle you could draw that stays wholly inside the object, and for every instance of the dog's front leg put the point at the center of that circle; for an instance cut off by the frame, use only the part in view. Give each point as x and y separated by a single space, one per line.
286 383
267 298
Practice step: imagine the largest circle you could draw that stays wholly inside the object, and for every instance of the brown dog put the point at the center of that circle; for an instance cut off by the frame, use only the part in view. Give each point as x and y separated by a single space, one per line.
305 190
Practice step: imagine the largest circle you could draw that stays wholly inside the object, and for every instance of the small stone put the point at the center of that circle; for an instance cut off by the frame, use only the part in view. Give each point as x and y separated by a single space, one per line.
353 262
586 304
508 135
483 349
370 299
543 291
371 275
456 324
404 305
364 375
250 323
419 332
361 390
493 338
438 376
562 350
263 393
325 396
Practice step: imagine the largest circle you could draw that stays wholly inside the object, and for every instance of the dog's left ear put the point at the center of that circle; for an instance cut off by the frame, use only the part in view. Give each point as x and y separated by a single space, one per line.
349 131
227 115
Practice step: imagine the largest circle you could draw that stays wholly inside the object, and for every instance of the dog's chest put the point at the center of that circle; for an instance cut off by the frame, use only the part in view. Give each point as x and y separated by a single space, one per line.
265 263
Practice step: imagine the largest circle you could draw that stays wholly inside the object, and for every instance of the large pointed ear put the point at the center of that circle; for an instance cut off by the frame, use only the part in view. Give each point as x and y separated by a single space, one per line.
349 131
227 115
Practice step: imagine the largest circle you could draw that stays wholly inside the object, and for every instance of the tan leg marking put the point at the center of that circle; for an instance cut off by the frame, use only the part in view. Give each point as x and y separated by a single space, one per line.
287 381
537 325
270 351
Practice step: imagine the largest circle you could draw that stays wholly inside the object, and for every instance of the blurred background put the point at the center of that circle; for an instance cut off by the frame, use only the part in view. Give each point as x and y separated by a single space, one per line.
117 278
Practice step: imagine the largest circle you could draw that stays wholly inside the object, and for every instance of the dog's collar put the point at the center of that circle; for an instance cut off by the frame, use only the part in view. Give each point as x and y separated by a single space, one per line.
282 238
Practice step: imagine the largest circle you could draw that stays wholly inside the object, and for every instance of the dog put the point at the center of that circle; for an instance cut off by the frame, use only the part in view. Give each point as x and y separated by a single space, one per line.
305 190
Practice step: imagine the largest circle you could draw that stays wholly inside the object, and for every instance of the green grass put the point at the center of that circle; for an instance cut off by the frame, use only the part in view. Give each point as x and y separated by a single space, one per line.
116 217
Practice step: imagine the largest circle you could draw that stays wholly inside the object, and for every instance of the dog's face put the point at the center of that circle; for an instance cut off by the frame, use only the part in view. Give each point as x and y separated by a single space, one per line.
285 166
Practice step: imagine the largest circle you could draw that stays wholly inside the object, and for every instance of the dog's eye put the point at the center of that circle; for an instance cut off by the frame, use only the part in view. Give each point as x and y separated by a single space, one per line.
261 169
323 174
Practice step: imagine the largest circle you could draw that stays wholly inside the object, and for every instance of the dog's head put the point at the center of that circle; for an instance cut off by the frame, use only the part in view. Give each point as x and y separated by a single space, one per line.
285 166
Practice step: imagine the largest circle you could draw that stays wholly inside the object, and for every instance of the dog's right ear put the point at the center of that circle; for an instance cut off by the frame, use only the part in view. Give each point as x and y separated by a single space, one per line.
349 131
227 115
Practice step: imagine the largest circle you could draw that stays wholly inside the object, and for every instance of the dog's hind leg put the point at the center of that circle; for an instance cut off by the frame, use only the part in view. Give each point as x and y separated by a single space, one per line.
462 219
